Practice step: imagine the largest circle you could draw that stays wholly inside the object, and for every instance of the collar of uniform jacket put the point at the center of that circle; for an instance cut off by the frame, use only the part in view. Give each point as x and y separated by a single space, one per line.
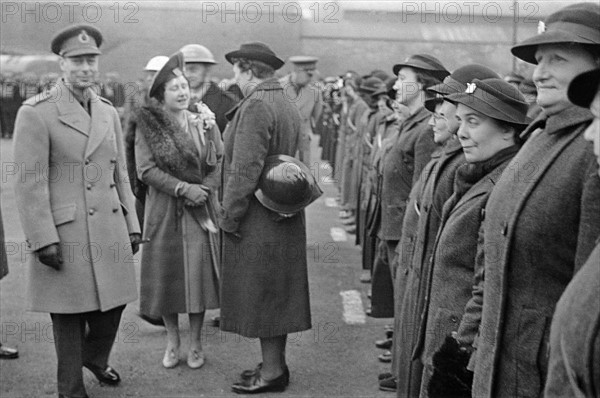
571 116
271 84
421 115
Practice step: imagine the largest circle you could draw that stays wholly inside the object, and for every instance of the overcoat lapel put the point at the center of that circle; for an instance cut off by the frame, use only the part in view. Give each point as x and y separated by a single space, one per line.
70 112
100 124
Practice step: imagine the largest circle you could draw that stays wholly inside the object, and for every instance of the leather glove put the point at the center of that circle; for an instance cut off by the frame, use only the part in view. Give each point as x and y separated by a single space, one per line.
194 193
51 256
135 240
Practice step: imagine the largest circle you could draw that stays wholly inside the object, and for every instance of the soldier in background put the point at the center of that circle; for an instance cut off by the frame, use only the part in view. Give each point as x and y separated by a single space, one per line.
300 89
10 101
198 63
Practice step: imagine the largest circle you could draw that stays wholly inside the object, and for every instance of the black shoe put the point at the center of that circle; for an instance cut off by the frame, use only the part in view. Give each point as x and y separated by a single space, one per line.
107 376
386 357
256 384
384 344
8 353
215 321
151 320
389 334
247 374
388 384
383 376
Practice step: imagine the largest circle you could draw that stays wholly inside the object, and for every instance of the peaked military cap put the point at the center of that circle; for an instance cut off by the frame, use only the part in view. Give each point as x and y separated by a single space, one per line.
172 69
371 85
77 40
576 23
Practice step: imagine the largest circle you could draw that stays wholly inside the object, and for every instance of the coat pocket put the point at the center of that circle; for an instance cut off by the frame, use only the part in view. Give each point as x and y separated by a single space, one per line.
64 214
531 354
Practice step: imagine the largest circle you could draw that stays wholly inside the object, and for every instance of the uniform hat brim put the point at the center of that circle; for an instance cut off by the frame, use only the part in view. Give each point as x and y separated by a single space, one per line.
258 52
526 50
493 103
584 88
431 103
314 194
423 62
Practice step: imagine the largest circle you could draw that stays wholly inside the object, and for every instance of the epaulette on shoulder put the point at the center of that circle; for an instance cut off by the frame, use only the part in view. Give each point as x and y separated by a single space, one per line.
105 100
38 98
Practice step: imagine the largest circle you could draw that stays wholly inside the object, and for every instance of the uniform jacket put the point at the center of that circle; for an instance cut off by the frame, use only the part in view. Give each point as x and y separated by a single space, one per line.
78 196
457 251
541 226
434 188
574 365
402 166
3 258
219 101
264 277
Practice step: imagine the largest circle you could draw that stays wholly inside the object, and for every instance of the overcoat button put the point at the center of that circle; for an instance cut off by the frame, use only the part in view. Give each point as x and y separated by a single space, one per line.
504 229
115 210
113 160
113 185
89 186
87 161
91 212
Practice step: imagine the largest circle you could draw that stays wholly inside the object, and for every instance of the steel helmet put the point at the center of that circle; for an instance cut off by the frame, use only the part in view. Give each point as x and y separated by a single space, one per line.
197 53
286 185
156 63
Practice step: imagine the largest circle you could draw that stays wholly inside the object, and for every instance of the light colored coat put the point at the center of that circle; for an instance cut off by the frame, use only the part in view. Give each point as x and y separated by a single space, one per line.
73 190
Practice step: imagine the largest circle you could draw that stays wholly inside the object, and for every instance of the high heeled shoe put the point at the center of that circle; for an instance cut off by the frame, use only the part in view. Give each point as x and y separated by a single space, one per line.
171 358
195 359
256 384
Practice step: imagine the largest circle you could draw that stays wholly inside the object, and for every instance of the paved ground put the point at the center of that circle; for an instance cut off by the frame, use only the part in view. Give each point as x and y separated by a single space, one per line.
336 358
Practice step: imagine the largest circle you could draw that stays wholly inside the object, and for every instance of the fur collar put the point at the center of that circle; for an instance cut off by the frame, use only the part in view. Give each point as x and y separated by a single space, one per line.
173 149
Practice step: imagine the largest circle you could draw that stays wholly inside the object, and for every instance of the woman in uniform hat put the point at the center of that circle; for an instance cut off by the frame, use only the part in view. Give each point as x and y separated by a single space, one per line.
265 282
177 154
542 216
492 113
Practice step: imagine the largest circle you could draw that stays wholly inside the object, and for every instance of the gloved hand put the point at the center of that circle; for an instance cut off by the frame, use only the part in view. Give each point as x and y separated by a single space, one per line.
194 193
135 240
51 256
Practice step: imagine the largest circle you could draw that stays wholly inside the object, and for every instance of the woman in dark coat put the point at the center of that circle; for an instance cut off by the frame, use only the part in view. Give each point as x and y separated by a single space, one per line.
177 154
542 216
492 113
264 281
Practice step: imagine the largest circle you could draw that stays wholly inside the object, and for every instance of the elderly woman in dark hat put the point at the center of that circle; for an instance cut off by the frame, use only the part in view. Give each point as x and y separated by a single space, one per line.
492 113
541 220
264 274
573 366
178 157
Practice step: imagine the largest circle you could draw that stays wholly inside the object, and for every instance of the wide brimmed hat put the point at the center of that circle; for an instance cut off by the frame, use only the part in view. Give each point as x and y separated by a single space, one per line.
584 88
431 103
494 98
286 185
172 69
576 23
257 51
424 62
77 40
387 89
458 80
371 85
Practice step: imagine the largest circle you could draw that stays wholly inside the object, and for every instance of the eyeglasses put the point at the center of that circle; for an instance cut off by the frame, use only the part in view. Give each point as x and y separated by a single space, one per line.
437 117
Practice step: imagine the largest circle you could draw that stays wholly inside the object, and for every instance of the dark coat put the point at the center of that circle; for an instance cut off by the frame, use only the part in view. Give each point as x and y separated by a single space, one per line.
574 364
264 273
434 188
402 167
541 226
219 101
457 251
3 259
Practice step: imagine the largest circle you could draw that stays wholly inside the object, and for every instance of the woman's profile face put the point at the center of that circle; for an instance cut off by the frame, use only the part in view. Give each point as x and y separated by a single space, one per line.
480 136
557 65
177 94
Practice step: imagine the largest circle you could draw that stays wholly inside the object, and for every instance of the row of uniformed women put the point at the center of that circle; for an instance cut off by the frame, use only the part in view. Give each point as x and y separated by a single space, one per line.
479 277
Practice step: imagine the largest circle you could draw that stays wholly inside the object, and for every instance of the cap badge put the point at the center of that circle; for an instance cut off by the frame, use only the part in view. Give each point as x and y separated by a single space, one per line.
541 27
84 37
470 88
177 72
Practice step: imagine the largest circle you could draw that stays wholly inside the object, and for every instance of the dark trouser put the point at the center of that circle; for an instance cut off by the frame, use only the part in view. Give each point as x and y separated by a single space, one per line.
76 347
382 286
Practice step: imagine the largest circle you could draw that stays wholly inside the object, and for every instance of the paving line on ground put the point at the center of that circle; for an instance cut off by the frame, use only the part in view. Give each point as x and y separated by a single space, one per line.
354 313
338 234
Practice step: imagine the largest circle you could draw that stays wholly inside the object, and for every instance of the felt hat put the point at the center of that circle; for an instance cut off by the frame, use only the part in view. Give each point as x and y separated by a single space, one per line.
256 51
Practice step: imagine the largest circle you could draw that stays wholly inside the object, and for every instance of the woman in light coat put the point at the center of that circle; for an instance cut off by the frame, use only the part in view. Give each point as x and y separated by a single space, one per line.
177 156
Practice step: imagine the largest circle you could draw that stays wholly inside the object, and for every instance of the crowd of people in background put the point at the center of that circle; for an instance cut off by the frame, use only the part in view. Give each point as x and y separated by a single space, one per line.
474 198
